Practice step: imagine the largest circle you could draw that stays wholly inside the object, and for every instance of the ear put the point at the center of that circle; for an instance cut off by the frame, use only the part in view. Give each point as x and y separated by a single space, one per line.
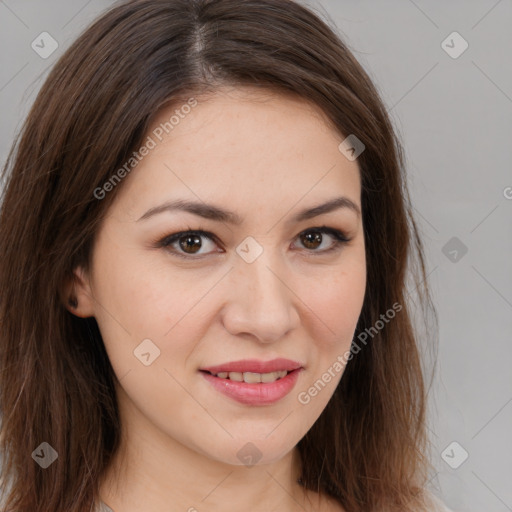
76 294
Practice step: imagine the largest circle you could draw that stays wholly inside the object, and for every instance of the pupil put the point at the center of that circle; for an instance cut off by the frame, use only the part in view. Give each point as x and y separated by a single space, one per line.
311 239
190 241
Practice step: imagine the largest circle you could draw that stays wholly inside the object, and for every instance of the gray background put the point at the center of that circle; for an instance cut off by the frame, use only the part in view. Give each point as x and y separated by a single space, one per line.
454 116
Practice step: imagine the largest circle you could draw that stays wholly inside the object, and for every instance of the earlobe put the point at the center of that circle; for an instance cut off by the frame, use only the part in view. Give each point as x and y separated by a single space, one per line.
73 301
76 294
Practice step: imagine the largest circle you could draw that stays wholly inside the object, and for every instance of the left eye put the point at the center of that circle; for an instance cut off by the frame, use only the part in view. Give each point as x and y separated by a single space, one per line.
189 241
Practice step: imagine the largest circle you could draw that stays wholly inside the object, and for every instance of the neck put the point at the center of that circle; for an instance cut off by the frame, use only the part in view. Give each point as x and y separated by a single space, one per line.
152 471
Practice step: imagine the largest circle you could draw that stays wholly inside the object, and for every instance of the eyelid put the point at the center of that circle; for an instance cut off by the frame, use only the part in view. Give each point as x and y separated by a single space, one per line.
340 238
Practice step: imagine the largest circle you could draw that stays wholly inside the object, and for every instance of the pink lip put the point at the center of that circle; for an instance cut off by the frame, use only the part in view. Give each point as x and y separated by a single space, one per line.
257 393
254 394
255 366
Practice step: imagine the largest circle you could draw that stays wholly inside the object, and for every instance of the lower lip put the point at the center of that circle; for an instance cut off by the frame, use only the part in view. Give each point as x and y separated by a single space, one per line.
254 394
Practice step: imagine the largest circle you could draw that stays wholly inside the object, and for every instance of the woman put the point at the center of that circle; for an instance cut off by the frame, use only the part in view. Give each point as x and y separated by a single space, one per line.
205 235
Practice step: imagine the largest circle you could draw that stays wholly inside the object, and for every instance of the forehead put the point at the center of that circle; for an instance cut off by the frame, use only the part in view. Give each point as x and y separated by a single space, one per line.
244 146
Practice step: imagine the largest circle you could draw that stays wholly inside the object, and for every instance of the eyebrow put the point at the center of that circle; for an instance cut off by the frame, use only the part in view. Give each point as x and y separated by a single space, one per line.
215 213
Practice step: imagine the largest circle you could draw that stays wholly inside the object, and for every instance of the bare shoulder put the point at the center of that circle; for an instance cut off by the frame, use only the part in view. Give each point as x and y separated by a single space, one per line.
324 503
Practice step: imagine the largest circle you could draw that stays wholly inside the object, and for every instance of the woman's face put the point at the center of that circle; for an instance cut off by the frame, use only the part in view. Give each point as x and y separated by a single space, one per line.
272 286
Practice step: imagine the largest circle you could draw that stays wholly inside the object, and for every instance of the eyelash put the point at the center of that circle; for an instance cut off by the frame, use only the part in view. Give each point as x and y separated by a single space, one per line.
340 239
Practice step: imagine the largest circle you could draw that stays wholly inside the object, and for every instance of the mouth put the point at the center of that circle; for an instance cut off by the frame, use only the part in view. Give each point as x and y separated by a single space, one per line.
250 377
253 382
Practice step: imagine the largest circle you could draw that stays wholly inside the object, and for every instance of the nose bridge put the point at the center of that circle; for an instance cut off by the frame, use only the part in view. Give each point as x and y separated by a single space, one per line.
262 302
258 264
262 282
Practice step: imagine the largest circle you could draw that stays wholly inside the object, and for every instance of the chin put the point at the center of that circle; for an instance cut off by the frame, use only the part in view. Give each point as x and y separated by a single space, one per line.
249 453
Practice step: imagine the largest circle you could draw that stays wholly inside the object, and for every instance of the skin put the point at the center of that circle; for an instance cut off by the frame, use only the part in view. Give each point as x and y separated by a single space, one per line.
266 157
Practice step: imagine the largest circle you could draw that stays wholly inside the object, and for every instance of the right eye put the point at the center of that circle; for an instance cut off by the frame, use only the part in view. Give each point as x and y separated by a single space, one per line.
186 244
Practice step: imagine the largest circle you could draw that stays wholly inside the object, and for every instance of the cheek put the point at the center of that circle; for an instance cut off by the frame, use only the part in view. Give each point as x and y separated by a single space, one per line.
335 300
142 293
138 300
336 309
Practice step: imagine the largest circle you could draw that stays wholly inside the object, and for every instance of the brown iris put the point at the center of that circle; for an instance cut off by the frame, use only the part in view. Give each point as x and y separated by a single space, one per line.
190 242
311 238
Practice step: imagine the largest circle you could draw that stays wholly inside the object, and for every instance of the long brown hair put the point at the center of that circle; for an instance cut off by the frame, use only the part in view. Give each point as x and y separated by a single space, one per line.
368 448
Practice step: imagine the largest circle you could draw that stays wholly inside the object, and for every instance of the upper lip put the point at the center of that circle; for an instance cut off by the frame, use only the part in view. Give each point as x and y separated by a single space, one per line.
255 366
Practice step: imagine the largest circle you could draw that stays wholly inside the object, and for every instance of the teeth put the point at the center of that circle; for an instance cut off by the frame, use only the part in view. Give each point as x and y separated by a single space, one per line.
271 377
252 378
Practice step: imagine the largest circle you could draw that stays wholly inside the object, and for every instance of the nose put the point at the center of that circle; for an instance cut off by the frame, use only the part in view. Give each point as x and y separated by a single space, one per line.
261 301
